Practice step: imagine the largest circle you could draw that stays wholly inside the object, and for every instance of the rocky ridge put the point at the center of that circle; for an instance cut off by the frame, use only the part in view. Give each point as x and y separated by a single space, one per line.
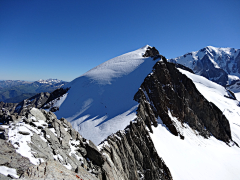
41 137
52 144
41 100
166 90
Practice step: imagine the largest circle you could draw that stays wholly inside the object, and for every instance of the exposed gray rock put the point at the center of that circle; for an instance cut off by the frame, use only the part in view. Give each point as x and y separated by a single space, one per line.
37 114
2 128
151 52
36 101
2 177
10 158
53 170
94 154
130 154
41 148
8 106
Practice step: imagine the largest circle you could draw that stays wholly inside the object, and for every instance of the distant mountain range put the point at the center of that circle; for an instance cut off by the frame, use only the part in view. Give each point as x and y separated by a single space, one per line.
220 65
15 91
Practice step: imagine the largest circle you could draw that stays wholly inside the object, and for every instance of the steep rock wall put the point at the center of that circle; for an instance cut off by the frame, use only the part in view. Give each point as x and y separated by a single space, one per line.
167 89
130 154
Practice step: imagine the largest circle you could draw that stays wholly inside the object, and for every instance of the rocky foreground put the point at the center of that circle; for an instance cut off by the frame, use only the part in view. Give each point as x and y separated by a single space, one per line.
39 146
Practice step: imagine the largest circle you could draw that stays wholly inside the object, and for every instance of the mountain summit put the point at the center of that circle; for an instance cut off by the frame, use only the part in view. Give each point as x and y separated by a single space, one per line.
154 121
100 102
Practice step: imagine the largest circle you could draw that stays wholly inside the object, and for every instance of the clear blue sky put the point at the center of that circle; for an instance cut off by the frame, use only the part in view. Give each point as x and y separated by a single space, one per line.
41 39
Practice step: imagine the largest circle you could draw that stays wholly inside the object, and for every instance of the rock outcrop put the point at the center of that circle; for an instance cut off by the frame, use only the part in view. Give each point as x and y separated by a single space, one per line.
10 158
40 137
43 100
53 170
8 106
36 101
52 144
130 154
166 89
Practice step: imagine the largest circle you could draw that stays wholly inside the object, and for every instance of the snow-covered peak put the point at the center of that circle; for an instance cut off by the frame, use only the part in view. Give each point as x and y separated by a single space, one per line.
146 47
116 67
48 81
214 63
100 102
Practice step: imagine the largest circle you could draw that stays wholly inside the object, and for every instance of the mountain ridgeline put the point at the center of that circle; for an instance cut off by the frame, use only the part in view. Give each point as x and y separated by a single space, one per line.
15 91
166 89
220 65
129 153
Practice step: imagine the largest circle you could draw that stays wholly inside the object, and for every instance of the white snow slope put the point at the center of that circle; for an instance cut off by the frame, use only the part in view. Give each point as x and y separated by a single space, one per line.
100 102
195 157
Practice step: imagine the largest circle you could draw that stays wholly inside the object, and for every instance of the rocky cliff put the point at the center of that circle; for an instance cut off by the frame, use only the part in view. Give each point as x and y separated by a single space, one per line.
166 89
130 154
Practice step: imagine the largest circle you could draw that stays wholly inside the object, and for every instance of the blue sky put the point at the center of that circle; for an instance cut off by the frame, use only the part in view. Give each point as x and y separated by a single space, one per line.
41 39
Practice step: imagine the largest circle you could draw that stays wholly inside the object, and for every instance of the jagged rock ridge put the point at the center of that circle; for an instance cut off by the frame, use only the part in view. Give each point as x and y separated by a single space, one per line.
133 154
54 143
166 89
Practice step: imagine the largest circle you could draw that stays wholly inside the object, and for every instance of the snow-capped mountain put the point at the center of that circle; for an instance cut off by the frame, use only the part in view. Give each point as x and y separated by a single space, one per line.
220 65
50 81
100 102
152 120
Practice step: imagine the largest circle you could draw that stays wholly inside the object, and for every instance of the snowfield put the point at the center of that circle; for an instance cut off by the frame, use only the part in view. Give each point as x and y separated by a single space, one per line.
100 102
195 157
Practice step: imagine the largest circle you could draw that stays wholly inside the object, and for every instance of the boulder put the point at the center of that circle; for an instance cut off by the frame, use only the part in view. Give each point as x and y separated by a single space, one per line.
37 114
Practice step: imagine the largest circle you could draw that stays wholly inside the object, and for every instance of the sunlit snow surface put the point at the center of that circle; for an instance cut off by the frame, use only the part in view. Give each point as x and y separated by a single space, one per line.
224 58
100 102
195 157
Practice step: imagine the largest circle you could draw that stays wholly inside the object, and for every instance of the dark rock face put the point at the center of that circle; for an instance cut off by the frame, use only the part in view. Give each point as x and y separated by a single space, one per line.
54 95
183 67
133 155
151 52
166 89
